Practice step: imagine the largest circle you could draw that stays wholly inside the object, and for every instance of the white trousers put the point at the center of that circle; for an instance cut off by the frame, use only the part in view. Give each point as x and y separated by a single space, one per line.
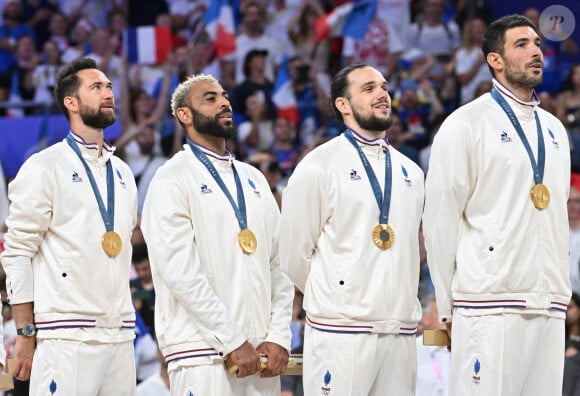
213 379
66 367
359 364
506 355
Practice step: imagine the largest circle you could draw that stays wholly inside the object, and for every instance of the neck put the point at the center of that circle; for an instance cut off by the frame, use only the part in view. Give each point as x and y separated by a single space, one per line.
522 93
90 135
213 143
370 135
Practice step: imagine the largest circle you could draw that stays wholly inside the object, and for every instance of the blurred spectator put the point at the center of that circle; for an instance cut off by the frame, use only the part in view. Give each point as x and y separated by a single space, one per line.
44 74
311 98
425 153
381 47
142 119
471 67
256 132
79 43
146 350
433 362
292 384
255 83
252 37
13 27
574 222
280 14
553 52
418 105
58 31
425 282
187 17
397 15
398 135
284 146
103 46
482 88
265 161
142 288
144 12
117 24
95 11
17 84
157 384
434 38
301 31
568 105
37 14
571 384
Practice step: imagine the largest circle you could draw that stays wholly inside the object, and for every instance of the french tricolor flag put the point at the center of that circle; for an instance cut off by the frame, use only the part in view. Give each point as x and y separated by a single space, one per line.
220 26
283 95
147 44
347 20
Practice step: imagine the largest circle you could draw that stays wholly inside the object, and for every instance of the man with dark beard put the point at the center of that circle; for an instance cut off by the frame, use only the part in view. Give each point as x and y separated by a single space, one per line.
68 251
211 226
496 226
349 241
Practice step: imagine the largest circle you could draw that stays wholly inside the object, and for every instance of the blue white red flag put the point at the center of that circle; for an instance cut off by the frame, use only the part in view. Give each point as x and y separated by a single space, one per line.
283 95
347 20
147 44
220 26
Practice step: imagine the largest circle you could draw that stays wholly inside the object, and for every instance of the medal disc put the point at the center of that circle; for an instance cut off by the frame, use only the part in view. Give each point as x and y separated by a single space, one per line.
247 241
112 243
540 196
383 236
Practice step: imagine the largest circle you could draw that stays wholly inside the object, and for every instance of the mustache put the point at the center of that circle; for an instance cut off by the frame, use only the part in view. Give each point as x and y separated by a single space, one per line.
535 62
224 111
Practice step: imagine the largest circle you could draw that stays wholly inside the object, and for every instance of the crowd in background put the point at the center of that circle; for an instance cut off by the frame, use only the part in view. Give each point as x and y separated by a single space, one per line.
429 51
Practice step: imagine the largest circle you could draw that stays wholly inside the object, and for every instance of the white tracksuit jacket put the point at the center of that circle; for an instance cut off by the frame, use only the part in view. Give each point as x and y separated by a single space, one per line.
328 214
210 296
488 247
53 254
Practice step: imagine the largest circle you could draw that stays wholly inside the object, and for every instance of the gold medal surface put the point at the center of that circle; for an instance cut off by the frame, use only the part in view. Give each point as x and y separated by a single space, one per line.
383 236
247 241
540 196
112 243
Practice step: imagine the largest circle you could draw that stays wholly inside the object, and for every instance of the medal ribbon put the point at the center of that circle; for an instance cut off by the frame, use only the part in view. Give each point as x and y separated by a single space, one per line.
108 214
538 168
240 208
383 200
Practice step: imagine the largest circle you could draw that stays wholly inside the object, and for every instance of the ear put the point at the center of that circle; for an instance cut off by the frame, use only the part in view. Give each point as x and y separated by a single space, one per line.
184 115
495 61
71 103
342 104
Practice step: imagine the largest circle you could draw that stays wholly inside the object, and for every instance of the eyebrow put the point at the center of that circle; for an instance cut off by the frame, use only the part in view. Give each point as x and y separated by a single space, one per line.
106 83
521 40
370 83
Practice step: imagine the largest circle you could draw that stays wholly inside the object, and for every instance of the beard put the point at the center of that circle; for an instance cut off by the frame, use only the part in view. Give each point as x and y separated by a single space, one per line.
372 122
519 78
96 118
212 126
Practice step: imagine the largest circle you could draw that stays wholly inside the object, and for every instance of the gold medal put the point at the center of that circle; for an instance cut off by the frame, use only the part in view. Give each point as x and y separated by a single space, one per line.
383 236
540 196
247 241
112 243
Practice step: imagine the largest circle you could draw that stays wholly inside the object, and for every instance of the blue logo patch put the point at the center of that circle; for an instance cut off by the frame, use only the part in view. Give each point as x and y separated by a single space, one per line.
504 137
52 387
325 389
120 176
253 185
406 175
476 367
354 175
554 141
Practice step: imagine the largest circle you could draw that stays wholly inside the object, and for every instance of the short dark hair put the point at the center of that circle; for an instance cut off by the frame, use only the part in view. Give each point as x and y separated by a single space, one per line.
140 252
339 87
68 82
494 37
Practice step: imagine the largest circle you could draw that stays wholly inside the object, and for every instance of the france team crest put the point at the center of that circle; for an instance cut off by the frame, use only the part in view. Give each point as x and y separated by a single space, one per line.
325 389
476 367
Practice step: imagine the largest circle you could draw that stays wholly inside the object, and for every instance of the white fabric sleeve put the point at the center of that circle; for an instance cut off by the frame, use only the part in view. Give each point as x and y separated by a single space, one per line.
304 213
28 220
167 228
447 188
